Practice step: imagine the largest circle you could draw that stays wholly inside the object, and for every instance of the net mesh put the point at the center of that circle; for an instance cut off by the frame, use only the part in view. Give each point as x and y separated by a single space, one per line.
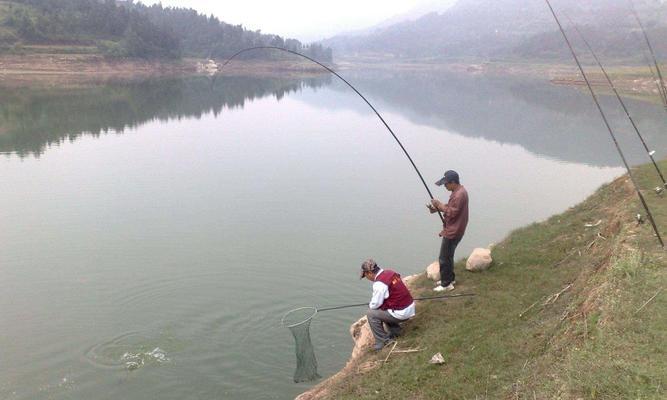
298 322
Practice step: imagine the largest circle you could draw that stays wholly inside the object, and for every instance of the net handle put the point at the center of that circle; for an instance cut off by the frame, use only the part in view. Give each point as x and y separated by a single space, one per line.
446 296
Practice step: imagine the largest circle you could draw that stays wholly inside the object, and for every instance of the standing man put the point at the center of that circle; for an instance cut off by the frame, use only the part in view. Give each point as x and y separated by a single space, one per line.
456 219
391 303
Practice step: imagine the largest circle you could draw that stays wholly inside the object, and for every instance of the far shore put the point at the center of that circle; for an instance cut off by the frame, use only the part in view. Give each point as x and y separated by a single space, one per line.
55 69
82 69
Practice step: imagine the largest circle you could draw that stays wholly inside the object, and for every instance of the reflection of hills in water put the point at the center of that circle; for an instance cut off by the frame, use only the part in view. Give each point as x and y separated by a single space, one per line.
33 119
554 121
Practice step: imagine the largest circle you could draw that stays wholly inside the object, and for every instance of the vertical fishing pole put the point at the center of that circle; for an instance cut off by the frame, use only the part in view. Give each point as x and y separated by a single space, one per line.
357 92
620 100
606 122
663 89
656 81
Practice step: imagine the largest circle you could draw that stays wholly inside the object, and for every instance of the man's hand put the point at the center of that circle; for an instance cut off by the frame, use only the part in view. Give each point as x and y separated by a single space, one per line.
437 204
432 209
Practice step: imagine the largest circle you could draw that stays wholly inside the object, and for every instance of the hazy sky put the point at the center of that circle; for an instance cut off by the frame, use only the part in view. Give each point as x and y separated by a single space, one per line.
301 19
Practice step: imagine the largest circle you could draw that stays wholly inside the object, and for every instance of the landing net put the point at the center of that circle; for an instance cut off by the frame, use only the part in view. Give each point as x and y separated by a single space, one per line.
298 322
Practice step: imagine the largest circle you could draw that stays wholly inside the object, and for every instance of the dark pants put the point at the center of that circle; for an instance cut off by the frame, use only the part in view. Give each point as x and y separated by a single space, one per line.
446 260
377 319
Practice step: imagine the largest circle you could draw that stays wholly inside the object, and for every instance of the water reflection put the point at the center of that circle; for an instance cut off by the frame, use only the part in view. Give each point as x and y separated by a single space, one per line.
554 121
169 254
551 121
33 119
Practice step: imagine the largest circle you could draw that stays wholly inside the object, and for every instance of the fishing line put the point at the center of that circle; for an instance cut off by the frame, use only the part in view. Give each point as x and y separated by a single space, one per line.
663 89
356 91
606 122
620 100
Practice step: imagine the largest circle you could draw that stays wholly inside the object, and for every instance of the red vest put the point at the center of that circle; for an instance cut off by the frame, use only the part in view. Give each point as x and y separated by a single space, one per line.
399 295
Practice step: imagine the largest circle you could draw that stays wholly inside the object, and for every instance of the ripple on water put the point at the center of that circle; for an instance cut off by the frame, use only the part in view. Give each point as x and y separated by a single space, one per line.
129 351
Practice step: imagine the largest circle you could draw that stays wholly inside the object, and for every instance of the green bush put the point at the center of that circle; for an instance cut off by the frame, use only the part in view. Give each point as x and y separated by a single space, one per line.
7 38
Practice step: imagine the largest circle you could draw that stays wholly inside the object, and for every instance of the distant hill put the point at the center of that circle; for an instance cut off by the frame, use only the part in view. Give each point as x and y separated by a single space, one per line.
502 29
126 29
412 14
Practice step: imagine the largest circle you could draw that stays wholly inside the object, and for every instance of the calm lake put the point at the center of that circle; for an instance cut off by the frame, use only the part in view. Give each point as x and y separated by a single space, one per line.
153 233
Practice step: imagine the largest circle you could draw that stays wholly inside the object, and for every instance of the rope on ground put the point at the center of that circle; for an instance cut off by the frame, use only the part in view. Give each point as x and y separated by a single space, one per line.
648 301
554 297
390 351
550 300
528 309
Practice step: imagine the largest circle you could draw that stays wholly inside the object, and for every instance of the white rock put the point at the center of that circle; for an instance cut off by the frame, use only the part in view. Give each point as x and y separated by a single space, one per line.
437 359
433 271
479 260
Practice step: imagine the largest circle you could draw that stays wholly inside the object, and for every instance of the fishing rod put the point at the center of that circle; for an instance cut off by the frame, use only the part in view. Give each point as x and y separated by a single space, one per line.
447 296
620 100
663 89
355 90
656 81
606 122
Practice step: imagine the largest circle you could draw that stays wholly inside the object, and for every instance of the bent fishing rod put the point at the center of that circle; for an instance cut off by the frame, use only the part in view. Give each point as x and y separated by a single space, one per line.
661 81
442 218
447 296
620 100
606 122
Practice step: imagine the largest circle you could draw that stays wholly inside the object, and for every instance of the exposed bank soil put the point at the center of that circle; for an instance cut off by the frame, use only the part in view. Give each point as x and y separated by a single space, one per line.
363 339
636 81
80 69
91 68
633 83
628 85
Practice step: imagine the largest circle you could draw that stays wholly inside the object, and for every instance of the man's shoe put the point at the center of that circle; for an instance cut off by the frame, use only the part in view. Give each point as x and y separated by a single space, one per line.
447 288
438 283
380 345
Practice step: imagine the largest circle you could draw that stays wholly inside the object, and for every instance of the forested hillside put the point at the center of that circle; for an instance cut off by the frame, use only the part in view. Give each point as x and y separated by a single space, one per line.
506 29
126 29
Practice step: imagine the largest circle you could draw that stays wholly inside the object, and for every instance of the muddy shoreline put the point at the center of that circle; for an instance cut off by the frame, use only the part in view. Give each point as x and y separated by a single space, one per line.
82 69
69 70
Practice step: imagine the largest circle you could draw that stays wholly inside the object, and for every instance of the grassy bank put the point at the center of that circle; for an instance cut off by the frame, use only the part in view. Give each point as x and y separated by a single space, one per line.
563 313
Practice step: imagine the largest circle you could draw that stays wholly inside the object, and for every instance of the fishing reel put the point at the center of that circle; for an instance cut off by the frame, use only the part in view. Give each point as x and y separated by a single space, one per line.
659 190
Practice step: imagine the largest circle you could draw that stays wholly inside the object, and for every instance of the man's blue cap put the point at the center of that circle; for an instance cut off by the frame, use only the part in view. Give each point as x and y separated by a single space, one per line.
450 176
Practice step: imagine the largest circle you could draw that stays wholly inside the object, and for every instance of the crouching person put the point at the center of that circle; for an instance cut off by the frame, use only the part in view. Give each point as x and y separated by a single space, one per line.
391 303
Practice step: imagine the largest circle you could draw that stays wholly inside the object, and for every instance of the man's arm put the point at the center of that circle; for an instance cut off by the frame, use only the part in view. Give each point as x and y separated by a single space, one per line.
454 206
380 292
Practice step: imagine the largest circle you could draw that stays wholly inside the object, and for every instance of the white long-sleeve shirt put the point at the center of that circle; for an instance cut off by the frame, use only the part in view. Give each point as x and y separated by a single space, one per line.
381 293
